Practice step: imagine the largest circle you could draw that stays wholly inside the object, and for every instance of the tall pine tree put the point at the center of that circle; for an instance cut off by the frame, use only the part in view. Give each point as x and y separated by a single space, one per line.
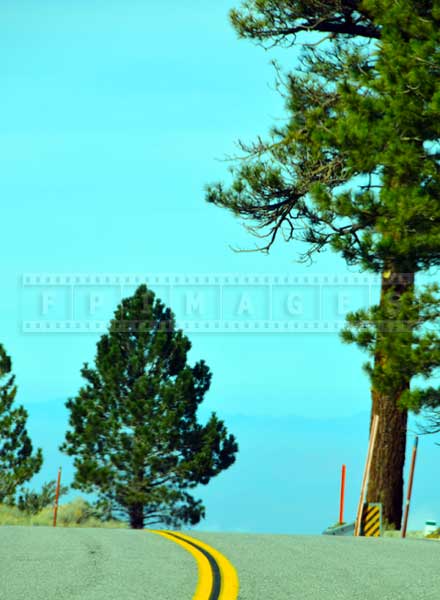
17 463
134 430
356 169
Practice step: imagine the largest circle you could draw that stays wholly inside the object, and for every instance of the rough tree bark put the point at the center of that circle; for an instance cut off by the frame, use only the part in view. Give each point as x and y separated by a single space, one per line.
386 476
136 515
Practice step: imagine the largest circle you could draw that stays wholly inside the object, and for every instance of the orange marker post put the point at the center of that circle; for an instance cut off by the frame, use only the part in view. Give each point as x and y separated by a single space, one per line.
410 484
57 495
341 505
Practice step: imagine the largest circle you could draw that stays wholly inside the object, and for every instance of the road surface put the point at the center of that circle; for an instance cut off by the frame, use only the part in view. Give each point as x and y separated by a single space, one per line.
42 563
287 567
218 579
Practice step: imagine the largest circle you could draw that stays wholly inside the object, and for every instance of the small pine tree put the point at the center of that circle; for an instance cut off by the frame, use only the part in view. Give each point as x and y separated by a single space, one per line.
17 463
134 431
32 501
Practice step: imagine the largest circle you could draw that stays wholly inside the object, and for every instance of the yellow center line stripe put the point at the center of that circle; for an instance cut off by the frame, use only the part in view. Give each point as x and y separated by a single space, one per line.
205 581
229 577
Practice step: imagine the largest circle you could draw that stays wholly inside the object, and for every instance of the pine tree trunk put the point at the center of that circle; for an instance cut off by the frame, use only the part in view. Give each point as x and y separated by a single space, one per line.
386 476
136 515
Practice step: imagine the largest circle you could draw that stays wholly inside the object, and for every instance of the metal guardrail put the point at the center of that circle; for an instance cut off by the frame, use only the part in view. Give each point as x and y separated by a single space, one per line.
346 529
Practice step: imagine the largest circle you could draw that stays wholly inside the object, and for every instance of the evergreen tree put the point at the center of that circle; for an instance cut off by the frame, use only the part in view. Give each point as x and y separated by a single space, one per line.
134 430
356 169
32 501
281 21
17 463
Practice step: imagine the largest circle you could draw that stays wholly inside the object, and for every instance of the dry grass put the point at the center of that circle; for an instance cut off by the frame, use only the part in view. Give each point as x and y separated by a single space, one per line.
435 535
398 534
72 514
414 534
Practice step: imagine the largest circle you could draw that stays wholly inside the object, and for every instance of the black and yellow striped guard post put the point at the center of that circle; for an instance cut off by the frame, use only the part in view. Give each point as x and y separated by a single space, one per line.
371 525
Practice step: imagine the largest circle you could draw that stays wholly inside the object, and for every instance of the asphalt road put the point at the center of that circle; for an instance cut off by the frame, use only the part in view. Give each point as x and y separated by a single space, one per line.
218 579
279 567
39 563
43 563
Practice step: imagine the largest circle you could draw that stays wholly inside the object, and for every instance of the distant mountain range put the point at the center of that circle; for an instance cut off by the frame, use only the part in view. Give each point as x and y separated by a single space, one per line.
287 475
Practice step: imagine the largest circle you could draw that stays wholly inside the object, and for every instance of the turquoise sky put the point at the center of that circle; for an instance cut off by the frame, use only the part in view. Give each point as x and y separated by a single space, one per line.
115 115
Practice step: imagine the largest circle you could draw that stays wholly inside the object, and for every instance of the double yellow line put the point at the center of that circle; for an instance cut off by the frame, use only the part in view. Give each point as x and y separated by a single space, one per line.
217 577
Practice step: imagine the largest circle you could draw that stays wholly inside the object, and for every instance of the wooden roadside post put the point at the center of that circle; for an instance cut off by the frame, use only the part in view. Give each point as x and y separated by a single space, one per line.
373 434
341 505
57 495
410 484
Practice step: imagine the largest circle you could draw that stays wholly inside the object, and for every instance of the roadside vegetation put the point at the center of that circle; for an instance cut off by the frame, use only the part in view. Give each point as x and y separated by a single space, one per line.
435 535
18 461
419 534
78 513
134 434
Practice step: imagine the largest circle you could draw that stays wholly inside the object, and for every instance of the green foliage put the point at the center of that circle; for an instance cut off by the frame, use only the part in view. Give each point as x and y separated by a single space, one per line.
405 332
435 535
78 513
134 431
280 21
17 463
356 166
103 510
32 501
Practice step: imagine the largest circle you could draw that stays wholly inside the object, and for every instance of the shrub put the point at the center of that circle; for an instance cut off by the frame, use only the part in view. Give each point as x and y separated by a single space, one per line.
78 513
32 502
